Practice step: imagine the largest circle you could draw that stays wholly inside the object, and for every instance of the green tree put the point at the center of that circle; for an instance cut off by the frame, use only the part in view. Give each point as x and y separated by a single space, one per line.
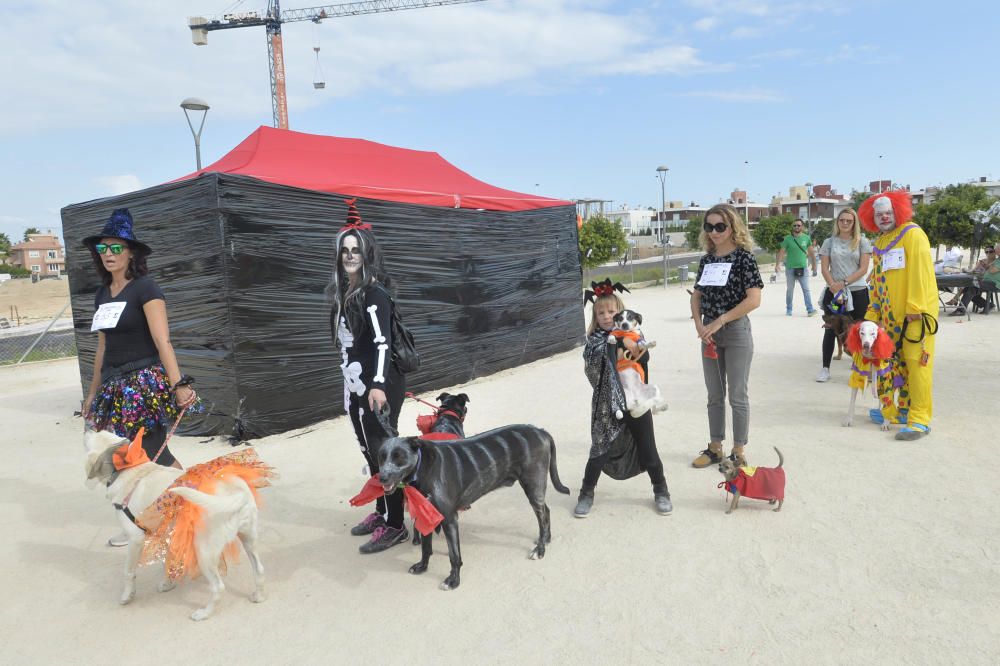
600 241
692 232
15 271
858 198
947 218
4 244
29 231
822 230
770 231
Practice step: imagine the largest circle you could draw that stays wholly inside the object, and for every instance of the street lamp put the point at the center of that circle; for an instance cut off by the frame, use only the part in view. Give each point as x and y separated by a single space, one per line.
880 174
809 200
661 173
195 104
746 196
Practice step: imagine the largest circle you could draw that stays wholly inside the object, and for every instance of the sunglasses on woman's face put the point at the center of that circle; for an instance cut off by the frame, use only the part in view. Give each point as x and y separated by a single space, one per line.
347 251
116 248
718 227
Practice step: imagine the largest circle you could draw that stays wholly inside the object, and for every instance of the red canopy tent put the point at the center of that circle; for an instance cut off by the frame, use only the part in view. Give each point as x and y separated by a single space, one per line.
357 167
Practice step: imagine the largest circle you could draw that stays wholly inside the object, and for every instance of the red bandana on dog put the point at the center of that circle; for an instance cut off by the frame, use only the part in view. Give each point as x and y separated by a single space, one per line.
425 516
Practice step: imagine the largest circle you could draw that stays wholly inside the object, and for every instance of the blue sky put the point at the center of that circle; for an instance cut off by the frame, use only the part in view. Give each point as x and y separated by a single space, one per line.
565 98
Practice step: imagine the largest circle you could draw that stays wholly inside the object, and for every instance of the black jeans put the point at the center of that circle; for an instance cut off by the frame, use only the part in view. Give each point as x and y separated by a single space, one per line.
370 437
642 432
152 440
973 294
860 299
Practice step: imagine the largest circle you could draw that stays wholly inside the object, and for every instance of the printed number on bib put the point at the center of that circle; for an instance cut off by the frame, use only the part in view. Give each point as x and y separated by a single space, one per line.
715 275
107 316
894 259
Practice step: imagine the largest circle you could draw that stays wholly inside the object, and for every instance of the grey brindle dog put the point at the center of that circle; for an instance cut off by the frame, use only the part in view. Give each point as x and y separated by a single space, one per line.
455 473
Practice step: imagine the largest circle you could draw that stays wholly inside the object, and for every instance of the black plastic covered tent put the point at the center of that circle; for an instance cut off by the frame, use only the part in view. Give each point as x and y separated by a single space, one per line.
244 257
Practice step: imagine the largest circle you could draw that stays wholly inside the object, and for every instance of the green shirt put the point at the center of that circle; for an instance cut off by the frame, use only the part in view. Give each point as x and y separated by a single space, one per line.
993 277
796 250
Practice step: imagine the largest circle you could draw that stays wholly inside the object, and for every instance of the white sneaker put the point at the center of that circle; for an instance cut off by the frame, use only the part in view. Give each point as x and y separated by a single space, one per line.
824 375
118 540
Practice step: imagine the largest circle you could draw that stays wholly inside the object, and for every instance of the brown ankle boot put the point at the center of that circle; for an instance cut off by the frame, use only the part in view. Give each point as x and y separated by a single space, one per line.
710 456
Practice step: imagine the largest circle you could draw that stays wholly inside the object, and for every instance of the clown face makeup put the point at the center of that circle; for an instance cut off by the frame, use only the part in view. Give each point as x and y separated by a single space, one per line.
350 256
885 218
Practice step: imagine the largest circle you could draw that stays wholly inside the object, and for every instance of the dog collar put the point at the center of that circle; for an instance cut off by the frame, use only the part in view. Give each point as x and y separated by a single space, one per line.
450 412
412 480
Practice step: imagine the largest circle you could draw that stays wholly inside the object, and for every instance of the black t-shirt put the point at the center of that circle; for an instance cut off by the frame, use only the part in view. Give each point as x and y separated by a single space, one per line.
129 339
744 274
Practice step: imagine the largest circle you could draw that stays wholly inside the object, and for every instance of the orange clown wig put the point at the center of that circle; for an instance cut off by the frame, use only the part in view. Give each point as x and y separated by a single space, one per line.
882 350
902 209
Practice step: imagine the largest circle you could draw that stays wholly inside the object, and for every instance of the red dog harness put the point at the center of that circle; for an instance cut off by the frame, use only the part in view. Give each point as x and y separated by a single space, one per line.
427 421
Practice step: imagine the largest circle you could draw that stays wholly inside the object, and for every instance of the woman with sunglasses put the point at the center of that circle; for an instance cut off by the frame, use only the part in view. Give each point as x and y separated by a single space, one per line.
845 258
136 381
727 288
361 322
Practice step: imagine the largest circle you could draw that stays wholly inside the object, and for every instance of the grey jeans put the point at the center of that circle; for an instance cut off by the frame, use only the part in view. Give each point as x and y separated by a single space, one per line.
734 343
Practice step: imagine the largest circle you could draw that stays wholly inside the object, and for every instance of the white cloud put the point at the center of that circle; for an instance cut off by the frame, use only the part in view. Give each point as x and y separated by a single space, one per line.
123 184
706 24
747 32
120 63
752 95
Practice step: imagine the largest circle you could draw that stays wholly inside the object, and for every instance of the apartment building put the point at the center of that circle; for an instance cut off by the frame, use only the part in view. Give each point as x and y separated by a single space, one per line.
42 254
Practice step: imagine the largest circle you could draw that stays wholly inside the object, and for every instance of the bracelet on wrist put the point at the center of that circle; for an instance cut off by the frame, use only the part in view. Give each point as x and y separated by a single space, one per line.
185 380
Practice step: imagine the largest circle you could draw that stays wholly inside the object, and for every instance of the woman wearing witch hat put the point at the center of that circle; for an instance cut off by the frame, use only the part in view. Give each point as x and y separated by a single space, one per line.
361 322
136 382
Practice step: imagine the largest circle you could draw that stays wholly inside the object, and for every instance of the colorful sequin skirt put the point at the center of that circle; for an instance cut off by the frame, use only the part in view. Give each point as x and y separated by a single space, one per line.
140 398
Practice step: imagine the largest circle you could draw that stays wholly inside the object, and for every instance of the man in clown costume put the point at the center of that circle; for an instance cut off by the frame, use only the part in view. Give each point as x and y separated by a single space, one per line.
904 301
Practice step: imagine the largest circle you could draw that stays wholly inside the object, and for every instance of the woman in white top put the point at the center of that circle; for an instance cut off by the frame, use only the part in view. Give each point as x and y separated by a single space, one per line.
844 258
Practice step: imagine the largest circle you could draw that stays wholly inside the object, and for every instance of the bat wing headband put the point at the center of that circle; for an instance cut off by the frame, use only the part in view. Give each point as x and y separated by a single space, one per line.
605 288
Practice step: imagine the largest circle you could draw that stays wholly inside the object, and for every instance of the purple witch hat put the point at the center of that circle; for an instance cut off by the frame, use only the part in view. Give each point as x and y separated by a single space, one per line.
119 225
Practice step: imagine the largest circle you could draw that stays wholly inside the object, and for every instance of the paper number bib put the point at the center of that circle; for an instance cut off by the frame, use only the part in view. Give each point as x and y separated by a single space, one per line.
107 316
894 259
715 275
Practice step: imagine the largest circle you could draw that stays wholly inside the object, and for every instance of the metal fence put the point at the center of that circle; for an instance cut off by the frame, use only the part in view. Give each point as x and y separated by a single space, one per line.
37 342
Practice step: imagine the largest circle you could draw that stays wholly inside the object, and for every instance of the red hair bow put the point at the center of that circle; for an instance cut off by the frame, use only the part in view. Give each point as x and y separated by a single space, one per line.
600 289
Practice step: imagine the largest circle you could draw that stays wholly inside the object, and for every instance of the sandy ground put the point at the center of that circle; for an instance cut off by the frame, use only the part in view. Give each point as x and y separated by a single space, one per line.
33 302
885 552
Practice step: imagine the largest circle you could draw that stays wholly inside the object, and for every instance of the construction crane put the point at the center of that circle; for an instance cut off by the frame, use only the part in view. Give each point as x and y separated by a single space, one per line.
274 17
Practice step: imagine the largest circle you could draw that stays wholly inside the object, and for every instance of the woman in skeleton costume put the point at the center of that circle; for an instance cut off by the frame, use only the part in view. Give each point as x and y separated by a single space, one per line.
361 322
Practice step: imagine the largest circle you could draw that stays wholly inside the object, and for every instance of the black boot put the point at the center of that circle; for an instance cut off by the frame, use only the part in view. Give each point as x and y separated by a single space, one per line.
661 499
585 502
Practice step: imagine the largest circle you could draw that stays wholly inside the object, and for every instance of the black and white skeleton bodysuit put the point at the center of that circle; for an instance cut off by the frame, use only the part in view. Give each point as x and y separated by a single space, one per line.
367 364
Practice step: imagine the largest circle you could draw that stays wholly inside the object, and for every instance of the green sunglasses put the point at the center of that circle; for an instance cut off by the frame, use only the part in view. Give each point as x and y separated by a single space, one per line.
116 248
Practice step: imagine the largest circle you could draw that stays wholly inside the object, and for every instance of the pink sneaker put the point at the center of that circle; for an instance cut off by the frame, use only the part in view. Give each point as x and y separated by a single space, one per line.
371 522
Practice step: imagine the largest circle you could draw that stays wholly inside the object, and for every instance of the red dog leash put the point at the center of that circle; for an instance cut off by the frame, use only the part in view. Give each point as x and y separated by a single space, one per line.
169 435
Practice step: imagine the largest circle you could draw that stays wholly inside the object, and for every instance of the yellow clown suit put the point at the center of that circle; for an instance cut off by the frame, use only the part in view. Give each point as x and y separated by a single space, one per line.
903 300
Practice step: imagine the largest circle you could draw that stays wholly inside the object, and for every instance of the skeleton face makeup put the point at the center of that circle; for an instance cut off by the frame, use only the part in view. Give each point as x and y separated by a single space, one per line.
885 218
350 255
